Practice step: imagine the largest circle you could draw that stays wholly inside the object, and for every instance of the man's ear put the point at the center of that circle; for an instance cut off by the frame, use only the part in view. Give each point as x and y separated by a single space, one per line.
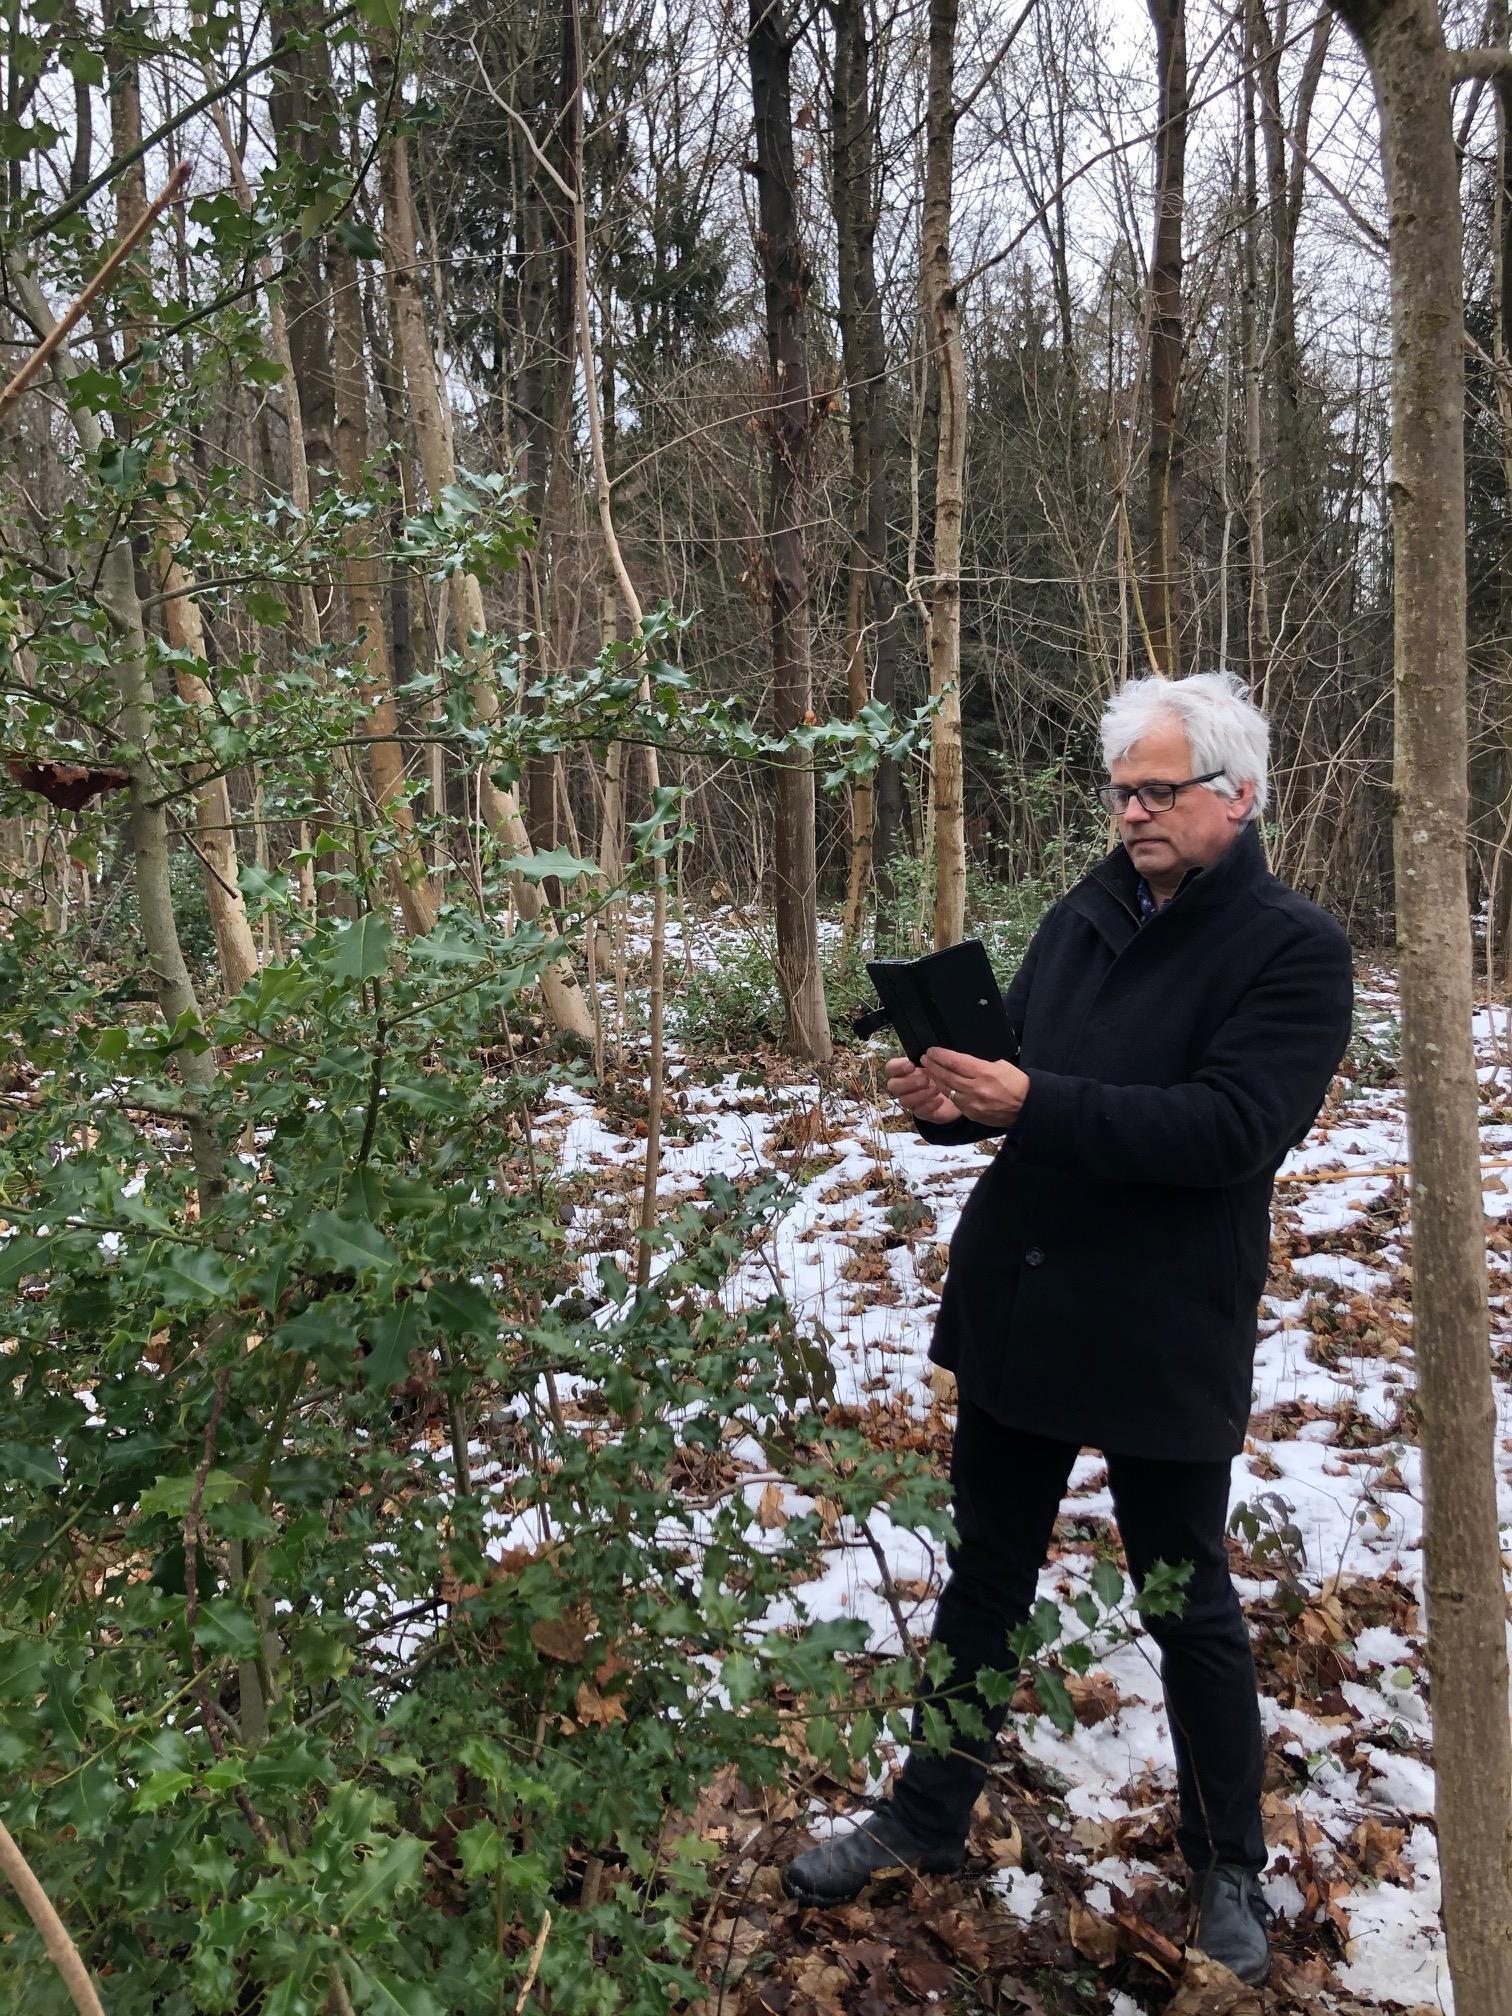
1242 802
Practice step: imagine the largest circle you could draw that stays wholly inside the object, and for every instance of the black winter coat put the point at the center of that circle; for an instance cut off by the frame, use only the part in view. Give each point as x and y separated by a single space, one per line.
1105 1275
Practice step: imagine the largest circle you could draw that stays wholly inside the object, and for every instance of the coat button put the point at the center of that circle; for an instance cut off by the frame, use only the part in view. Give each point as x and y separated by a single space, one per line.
1034 1256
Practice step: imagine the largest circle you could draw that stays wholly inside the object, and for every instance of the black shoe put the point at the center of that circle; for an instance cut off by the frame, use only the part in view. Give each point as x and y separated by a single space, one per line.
840 1869
1232 1917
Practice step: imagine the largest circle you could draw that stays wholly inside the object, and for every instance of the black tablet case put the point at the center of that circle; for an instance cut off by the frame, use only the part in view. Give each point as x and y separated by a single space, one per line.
948 999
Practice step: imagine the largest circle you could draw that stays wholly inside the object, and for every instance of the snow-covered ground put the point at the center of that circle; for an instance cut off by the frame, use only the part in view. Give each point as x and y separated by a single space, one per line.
1331 1463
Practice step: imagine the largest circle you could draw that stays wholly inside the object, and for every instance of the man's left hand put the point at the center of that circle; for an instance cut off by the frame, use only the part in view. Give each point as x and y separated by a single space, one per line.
991 1094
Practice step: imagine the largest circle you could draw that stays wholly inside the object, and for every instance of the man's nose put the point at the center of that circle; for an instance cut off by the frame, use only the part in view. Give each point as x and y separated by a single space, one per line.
1135 813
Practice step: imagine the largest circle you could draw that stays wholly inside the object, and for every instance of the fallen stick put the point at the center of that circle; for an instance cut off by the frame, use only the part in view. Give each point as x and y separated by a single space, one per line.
60 1948
1358 1175
173 188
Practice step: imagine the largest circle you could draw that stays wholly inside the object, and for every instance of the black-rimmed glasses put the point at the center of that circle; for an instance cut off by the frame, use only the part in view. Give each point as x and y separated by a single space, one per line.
1154 796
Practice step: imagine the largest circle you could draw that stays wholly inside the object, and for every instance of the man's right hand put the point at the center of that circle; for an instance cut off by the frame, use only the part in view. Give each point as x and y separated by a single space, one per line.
916 1092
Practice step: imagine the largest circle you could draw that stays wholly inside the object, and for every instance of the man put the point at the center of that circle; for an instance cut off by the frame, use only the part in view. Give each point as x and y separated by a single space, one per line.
1180 1014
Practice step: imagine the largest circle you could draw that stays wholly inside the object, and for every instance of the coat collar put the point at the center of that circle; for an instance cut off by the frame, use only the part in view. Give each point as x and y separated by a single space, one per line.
1106 894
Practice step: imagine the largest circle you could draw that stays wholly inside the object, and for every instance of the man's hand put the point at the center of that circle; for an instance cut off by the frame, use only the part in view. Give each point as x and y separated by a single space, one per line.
917 1093
951 1085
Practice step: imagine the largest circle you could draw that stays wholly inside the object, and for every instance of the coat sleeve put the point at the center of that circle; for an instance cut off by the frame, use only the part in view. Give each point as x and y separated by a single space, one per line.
1253 1096
956 1133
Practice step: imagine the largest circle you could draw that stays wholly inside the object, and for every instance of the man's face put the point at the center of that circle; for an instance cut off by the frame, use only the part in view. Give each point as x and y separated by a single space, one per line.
1198 827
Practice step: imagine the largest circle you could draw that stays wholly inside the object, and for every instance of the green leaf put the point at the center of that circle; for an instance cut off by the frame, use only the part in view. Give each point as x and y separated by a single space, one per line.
20 1255
1050 1692
390 1868
226 1630
555 861
359 239
172 1494
360 950
481 1848
160 1789
351 1245
1045 1621
122 466
190 1276
264 607
380 14
461 1310
396 1334
1107 1584
387 1995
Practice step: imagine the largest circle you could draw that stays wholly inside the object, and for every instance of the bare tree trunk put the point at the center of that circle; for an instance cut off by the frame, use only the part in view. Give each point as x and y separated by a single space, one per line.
942 323
164 963
1258 630
438 463
1467 1645
302 107
1166 337
791 419
1286 162
215 835
876 808
365 604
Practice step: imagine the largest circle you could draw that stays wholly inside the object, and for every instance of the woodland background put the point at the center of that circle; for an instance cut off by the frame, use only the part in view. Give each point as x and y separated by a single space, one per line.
562 529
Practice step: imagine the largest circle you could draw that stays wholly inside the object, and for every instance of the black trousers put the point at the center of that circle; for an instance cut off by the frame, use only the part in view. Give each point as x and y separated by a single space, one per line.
1007 1488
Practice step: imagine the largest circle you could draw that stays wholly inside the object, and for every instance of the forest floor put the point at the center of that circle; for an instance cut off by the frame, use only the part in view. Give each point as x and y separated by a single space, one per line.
1072 1897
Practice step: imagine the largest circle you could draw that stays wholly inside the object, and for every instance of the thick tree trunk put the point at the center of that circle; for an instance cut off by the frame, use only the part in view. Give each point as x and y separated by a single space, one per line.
1467 1645
385 756
438 464
1163 599
792 416
942 324
876 808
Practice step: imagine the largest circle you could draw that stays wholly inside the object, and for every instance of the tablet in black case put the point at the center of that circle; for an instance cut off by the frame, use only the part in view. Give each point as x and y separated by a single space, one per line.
948 998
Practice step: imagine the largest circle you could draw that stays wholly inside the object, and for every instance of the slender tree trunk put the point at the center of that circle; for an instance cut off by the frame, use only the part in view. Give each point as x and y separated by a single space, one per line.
438 463
215 834
1467 1645
302 107
385 756
942 323
1258 630
791 419
1285 164
1166 337
876 808
164 962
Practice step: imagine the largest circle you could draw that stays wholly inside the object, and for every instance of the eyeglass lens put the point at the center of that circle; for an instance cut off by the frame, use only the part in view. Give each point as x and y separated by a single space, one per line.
1153 797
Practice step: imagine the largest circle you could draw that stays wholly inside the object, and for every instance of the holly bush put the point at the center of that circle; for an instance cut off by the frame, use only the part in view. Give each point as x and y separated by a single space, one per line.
355 1611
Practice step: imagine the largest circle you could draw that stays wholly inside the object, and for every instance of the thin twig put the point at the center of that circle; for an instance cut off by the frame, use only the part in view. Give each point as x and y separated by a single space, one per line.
171 190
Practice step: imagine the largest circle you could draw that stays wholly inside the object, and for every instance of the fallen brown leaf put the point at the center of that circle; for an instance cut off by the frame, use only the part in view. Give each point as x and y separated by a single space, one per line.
1095 1938
1209 1989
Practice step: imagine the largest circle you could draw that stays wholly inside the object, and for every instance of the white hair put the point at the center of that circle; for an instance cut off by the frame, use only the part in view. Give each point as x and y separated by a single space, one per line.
1224 728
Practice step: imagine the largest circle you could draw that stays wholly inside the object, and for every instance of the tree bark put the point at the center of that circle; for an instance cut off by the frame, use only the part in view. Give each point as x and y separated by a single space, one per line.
438 464
365 605
942 323
302 108
215 834
1467 1648
1166 338
165 965
877 807
791 419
